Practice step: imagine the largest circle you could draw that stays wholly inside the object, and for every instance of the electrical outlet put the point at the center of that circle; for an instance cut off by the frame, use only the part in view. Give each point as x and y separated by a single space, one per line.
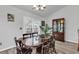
0 43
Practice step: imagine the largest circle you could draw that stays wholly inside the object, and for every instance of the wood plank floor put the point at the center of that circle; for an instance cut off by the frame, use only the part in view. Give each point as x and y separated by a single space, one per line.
66 48
61 48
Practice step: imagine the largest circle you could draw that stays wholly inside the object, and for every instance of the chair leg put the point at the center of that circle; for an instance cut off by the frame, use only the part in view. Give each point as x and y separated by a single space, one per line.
18 51
28 51
54 50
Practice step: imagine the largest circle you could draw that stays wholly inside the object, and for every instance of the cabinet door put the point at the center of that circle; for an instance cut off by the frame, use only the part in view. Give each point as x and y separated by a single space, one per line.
62 25
58 29
59 26
55 26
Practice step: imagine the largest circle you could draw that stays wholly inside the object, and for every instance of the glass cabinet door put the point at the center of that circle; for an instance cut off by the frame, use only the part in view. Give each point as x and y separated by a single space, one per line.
59 25
62 25
55 26
58 29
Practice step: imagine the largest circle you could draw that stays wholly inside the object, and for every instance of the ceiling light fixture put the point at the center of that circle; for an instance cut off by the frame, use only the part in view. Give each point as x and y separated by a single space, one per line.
39 7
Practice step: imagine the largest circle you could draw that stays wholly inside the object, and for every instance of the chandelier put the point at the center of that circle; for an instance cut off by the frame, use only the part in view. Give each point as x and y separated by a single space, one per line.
39 7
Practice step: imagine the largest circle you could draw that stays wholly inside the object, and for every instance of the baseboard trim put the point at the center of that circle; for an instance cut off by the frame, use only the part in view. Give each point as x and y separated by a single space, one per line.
71 42
7 48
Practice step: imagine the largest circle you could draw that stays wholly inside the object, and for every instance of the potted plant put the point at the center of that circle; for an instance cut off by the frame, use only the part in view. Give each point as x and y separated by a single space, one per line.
45 29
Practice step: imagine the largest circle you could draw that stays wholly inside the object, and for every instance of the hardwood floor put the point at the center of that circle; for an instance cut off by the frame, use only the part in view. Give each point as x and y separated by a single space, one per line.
66 48
61 48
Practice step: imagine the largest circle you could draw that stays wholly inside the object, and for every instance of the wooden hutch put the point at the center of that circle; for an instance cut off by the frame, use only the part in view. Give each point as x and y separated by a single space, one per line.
58 29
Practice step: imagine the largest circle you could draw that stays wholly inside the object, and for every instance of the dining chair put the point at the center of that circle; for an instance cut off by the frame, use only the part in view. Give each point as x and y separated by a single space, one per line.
52 45
18 48
45 48
22 48
39 49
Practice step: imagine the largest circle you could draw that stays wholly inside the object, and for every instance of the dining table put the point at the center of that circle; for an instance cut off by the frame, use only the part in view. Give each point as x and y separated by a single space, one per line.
34 45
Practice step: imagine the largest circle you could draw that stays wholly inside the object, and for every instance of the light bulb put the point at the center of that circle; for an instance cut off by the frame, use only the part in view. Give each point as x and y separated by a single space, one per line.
34 5
44 5
42 8
37 8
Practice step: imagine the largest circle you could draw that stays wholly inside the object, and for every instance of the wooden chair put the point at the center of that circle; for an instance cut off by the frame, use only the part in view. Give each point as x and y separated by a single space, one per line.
78 41
45 47
49 46
52 45
18 47
22 48
39 49
29 35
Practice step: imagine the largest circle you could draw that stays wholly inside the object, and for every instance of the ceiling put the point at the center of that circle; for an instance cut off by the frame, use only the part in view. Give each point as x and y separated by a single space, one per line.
50 9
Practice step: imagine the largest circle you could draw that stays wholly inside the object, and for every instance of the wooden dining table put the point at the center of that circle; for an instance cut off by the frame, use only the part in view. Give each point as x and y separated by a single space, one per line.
34 46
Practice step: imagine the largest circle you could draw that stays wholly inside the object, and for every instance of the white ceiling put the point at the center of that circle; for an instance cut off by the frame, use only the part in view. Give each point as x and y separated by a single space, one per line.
50 9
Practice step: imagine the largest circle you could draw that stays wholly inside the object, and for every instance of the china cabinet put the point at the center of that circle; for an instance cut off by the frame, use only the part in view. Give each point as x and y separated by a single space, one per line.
58 29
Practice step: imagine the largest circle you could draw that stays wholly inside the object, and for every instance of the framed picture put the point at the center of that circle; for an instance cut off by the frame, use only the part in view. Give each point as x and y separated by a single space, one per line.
42 23
10 17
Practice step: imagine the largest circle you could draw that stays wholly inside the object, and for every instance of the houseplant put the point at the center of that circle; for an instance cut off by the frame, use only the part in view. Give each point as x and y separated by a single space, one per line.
45 29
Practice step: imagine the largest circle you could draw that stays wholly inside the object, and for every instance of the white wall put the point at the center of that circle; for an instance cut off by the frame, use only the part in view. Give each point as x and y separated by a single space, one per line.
71 15
31 23
9 30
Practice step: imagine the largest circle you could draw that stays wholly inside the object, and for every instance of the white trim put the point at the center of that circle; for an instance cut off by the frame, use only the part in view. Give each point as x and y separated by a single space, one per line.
6 48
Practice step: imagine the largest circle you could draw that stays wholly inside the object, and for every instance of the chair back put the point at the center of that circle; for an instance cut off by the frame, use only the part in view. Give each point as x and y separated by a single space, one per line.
18 46
18 43
21 48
